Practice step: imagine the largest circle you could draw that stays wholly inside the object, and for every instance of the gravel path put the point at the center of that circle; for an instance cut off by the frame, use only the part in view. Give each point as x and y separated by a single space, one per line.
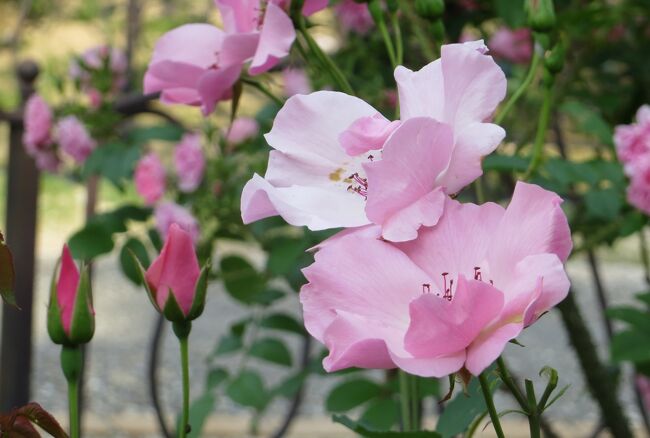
117 377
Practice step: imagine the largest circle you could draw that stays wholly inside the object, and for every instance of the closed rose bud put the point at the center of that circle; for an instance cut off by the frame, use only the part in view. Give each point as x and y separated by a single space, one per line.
70 315
431 9
174 282
541 15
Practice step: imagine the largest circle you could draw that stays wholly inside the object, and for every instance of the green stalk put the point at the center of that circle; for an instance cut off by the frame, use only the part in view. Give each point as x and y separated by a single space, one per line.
424 41
399 42
182 332
71 365
73 406
489 402
533 414
534 63
514 389
405 400
415 403
542 126
327 62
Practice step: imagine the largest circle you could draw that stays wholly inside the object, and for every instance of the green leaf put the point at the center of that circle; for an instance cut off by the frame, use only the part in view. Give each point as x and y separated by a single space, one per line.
460 412
200 410
126 262
272 350
289 386
114 161
168 132
505 163
91 241
7 274
283 255
247 389
644 298
241 280
636 318
350 394
589 120
283 322
215 377
603 204
381 414
630 345
511 11
228 344
632 222
366 431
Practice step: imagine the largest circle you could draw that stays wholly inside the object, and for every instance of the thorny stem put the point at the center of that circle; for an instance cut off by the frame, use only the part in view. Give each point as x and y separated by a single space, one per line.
533 414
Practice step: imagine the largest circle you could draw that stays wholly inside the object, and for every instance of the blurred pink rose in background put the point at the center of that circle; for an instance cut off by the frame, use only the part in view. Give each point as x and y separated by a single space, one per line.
74 140
168 213
633 140
189 162
515 46
242 129
150 178
354 17
38 124
295 81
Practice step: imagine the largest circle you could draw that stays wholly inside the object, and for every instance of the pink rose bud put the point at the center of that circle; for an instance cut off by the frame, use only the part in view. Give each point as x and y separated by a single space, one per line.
168 213
174 282
150 178
74 139
189 162
633 141
354 17
38 124
241 130
70 316
295 82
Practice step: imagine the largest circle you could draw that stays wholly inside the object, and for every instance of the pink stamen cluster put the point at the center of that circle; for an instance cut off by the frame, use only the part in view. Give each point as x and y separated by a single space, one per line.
361 187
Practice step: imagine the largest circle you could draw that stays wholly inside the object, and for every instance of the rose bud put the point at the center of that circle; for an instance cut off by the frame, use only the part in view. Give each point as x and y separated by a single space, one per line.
70 315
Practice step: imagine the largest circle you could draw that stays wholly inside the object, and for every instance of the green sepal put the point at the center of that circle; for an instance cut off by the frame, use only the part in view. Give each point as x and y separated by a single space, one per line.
198 304
541 15
430 9
143 277
172 310
82 327
54 321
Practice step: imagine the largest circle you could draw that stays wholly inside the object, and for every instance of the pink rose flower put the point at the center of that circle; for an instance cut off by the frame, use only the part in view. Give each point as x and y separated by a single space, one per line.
638 192
338 163
197 64
453 298
168 213
150 178
354 17
175 272
643 383
189 162
295 82
74 140
515 46
633 141
241 130
93 61
38 124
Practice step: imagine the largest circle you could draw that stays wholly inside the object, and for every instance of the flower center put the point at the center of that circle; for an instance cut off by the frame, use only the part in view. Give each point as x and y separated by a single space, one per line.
359 185
448 288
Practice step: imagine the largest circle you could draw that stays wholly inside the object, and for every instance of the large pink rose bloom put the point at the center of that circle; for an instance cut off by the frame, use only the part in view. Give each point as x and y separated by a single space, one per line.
189 162
515 46
354 17
339 163
74 139
633 141
38 124
168 213
453 298
150 178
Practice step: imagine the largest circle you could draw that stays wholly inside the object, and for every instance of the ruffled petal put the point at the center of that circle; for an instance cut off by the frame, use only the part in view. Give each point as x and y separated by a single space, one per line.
308 124
276 38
